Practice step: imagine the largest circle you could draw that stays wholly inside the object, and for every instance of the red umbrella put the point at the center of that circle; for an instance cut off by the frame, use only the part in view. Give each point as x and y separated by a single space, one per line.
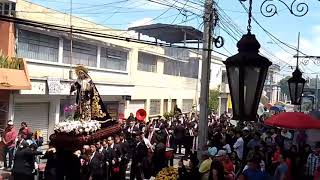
293 120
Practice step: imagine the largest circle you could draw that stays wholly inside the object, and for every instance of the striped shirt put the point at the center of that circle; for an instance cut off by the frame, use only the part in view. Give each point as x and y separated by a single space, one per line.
313 162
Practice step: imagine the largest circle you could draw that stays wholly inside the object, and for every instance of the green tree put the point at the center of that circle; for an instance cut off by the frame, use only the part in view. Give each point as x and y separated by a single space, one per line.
284 85
214 99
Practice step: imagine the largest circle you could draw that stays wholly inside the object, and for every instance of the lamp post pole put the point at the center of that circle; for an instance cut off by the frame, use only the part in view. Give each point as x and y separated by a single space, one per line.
205 75
317 94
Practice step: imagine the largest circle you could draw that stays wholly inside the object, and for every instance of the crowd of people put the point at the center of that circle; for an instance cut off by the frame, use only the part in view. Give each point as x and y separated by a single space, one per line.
246 151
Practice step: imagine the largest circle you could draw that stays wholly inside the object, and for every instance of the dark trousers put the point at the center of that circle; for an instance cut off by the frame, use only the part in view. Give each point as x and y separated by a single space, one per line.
8 150
123 169
136 171
187 145
178 145
18 176
97 177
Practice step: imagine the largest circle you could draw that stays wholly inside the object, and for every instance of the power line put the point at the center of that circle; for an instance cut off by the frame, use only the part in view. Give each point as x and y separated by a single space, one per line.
233 29
66 30
270 34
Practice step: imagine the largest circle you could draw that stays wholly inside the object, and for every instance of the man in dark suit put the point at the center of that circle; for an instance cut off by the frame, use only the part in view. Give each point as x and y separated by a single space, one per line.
139 154
179 134
150 134
113 158
130 133
124 146
95 164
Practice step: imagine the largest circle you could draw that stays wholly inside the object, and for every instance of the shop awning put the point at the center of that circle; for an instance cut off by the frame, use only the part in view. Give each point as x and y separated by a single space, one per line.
15 79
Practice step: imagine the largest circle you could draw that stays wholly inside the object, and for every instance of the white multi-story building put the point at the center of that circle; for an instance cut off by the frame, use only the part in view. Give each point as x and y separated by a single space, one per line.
129 76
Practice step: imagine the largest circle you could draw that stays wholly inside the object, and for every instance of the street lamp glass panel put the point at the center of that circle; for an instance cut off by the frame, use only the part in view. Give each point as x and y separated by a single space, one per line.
296 90
292 89
251 77
233 74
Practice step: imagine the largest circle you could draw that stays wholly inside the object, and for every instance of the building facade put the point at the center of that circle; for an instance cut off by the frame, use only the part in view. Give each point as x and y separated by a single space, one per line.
129 76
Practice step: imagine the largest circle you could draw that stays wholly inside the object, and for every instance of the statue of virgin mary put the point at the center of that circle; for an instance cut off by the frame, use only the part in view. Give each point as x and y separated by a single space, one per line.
88 100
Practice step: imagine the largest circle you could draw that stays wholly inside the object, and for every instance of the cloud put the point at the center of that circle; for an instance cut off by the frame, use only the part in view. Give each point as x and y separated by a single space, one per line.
316 29
141 22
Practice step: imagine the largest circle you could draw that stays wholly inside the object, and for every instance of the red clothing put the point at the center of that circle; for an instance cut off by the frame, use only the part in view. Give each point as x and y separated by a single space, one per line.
24 132
228 166
10 136
276 156
317 174
289 164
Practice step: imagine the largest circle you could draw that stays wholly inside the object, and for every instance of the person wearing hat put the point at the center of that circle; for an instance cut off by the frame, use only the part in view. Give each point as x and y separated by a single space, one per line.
206 164
8 139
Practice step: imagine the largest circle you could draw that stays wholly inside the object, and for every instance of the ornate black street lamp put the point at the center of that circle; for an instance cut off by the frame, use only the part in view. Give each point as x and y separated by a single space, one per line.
296 85
296 82
246 72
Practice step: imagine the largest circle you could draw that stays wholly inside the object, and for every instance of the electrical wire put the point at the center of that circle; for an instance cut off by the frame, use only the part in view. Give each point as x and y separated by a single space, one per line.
66 30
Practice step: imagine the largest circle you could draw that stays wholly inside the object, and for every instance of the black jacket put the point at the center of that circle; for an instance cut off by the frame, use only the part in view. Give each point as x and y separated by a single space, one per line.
96 165
51 164
113 153
124 149
140 152
24 161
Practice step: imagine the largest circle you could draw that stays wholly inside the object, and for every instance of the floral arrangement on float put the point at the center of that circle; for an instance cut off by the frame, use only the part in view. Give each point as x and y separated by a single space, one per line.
73 125
168 173
85 121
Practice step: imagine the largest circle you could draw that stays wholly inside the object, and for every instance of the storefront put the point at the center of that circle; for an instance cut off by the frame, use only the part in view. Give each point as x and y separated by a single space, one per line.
43 106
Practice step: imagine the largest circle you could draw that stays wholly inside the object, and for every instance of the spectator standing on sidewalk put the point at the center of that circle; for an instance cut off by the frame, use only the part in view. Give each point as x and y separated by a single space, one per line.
24 130
8 138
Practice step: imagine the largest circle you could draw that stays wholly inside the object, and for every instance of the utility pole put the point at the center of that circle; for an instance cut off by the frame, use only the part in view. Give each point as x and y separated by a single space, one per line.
317 94
205 75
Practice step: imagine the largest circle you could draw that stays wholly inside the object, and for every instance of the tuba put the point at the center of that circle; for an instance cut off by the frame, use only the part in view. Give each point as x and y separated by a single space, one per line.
141 114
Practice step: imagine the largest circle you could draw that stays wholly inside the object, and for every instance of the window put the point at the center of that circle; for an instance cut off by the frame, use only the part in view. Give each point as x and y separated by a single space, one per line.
147 62
112 108
172 67
7 8
1 9
37 46
224 77
180 68
155 106
82 53
177 53
187 105
113 59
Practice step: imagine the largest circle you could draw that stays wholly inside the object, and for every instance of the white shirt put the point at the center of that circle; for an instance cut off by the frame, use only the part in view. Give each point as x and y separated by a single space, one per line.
92 156
100 150
111 146
238 146
227 148
150 135
195 144
147 142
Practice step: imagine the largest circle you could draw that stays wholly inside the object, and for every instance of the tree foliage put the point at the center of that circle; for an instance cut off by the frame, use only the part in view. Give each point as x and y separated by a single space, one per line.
284 85
214 99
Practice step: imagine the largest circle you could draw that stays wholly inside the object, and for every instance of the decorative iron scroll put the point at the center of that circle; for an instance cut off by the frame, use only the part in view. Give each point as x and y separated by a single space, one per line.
297 8
305 60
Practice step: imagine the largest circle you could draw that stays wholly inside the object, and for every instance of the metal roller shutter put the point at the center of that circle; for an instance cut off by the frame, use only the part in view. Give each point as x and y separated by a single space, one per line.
36 115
